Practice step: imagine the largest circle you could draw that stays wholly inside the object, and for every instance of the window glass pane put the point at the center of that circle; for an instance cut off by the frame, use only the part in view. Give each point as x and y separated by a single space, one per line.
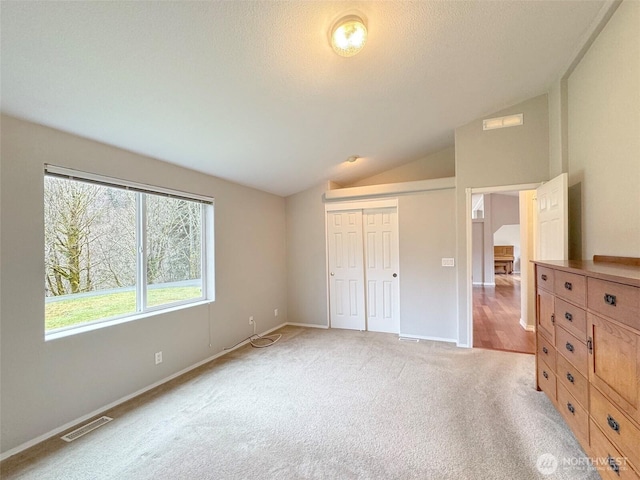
90 252
174 250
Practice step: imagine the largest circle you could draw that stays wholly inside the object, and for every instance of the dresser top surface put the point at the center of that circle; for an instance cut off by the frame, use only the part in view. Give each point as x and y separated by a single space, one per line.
607 271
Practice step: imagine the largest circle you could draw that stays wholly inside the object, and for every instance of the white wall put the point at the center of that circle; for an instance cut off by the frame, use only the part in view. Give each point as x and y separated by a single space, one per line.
505 223
508 156
510 235
604 139
47 384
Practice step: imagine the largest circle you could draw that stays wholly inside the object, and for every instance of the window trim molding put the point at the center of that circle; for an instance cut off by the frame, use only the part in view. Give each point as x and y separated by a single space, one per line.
63 332
114 182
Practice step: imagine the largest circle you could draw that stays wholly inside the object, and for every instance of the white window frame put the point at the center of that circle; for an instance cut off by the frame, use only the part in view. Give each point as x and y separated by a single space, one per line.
141 190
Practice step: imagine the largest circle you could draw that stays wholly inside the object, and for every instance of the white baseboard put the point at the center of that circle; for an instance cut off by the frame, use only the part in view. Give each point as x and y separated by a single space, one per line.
423 337
489 284
528 328
477 284
309 325
84 418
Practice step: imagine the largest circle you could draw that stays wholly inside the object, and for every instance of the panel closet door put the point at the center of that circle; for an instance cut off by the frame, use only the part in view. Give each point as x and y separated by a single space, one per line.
346 272
381 269
363 269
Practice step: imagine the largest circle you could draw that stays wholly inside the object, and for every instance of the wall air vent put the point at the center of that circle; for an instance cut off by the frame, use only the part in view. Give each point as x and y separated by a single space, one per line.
503 122
89 427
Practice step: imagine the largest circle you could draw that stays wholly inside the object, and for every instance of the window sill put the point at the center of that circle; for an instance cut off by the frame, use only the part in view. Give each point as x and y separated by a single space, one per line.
117 321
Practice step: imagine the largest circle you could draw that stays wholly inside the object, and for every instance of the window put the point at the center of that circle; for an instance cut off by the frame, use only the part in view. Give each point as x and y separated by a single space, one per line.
114 250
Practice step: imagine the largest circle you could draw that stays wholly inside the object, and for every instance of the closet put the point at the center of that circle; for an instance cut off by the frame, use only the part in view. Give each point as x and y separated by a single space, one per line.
362 252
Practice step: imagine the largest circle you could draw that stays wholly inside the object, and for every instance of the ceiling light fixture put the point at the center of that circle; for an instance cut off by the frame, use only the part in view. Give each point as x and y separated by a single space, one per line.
502 122
353 158
348 35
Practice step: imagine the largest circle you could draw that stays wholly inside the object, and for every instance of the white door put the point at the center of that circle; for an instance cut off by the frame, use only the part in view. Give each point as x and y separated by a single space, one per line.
381 269
346 272
552 223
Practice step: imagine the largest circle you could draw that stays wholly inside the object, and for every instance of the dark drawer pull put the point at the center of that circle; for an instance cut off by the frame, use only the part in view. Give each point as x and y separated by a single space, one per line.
613 465
571 408
568 316
545 351
615 426
610 299
543 277
570 377
569 347
568 285
545 375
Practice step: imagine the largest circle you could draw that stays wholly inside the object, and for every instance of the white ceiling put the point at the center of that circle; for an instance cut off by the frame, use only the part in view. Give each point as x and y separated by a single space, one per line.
252 92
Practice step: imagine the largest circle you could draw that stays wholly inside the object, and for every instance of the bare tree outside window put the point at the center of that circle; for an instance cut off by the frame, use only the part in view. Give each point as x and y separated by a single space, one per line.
92 253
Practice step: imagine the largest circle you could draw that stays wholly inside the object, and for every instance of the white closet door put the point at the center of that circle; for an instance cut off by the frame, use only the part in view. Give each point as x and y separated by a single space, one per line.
346 272
381 269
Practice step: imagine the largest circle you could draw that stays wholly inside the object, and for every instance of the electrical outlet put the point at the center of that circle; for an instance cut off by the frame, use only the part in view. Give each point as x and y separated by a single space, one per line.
158 358
275 312
448 262
251 320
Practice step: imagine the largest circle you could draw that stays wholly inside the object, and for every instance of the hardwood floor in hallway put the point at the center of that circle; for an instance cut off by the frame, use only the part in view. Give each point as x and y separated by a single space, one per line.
496 317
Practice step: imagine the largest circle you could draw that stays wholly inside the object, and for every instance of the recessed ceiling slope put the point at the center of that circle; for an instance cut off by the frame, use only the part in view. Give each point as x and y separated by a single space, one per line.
252 91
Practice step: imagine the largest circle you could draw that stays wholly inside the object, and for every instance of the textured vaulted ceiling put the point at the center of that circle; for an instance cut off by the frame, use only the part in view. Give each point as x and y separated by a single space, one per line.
252 92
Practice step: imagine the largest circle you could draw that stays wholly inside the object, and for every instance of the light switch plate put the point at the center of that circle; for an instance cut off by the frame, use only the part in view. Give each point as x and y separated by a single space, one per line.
448 262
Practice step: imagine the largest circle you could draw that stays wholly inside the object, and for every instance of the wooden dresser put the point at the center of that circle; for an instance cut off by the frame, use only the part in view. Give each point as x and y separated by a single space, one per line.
588 356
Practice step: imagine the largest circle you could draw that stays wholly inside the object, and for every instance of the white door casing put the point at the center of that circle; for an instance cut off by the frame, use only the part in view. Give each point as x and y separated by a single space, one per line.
552 222
346 272
381 269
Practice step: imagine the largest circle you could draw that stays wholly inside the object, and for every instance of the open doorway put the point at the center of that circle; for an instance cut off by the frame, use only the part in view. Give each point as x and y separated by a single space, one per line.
502 245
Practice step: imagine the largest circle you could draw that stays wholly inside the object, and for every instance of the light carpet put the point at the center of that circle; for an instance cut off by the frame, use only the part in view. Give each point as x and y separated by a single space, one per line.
325 404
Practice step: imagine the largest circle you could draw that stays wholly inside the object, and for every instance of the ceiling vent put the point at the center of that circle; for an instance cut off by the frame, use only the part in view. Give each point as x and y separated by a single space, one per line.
503 122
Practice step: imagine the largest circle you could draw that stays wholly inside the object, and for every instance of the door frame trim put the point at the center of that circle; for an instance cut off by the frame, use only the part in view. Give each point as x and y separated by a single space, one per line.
351 205
361 204
469 246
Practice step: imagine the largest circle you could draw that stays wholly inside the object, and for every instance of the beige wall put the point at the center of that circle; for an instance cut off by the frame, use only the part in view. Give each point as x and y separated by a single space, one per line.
306 257
558 155
440 164
46 384
426 224
604 139
508 156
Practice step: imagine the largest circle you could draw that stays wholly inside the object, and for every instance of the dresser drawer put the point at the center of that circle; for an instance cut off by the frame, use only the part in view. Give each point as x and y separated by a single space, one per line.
573 350
547 381
607 457
617 301
571 287
616 427
575 383
547 352
576 416
571 318
544 278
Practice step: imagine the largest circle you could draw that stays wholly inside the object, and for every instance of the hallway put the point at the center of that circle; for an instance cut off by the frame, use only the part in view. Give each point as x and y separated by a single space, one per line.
496 317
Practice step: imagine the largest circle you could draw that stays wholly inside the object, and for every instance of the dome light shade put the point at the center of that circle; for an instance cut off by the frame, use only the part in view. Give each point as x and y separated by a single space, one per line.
348 35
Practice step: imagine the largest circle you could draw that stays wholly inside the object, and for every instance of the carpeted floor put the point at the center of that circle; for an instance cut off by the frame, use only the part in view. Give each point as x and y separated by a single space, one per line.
327 404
